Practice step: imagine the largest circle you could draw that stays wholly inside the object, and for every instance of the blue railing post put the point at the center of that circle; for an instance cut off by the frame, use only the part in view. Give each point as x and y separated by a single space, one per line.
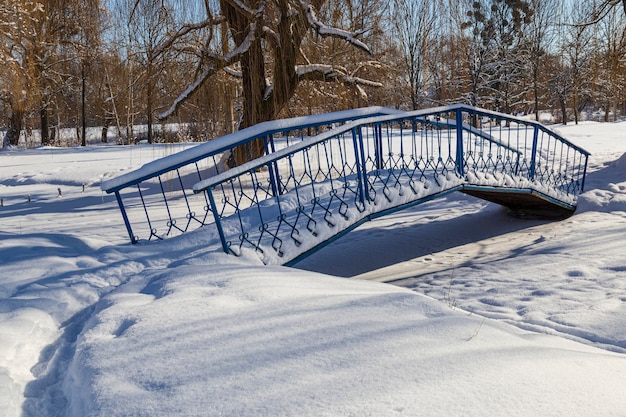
378 145
357 139
533 155
459 143
129 229
582 185
272 167
218 221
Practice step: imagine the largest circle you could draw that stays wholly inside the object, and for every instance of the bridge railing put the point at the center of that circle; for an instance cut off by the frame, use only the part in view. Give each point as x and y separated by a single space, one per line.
288 202
309 189
156 200
548 162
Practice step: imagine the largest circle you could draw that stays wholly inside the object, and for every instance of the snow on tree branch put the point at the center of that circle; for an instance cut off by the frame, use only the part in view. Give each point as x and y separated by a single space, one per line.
187 93
233 72
245 45
325 30
244 9
271 35
322 72
218 62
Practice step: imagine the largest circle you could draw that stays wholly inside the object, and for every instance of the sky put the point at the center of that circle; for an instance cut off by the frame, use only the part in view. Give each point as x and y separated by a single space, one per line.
451 308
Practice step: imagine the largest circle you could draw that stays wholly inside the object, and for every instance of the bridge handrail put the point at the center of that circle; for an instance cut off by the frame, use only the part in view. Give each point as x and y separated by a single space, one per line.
537 164
267 159
275 156
527 122
206 150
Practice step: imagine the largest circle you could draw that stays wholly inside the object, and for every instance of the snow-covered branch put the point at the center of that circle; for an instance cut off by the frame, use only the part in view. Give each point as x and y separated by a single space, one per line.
233 72
325 30
322 72
245 45
217 62
243 8
271 35
187 93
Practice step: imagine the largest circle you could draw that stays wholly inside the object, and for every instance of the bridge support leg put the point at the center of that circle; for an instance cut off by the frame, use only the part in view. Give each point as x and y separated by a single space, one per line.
218 222
129 229
582 185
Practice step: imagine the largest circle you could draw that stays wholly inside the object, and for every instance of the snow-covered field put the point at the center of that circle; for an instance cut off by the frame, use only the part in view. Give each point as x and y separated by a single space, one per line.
491 315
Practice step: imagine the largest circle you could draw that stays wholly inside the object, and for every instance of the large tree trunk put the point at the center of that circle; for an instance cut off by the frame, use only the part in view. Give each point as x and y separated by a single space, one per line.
16 119
256 107
259 105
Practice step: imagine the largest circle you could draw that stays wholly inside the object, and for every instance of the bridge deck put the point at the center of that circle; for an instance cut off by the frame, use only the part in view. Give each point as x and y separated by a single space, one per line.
522 203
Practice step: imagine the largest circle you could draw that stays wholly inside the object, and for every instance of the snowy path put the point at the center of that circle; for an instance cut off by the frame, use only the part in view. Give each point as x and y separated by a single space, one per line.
555 293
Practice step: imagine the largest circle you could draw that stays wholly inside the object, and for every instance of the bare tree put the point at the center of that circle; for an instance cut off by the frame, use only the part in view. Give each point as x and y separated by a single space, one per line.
149 23
447 64
265 40
540 35
507 69
477 51
414 24
612 57
16 72
35 48
603 9
576 48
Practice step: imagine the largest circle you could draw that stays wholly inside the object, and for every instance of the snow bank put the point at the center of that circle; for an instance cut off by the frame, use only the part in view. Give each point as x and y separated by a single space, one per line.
239 340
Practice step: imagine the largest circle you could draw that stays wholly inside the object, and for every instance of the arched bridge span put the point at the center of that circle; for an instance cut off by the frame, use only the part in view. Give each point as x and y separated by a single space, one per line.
322 176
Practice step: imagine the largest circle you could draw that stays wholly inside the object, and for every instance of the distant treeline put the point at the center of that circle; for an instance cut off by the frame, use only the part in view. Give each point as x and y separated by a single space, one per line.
215 66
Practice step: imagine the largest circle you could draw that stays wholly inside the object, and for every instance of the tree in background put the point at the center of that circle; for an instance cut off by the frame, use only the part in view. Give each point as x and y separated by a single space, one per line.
576 51
217 65
148 23
446 63
539 39
478 32
493 56
265 50
17 20
40 42
605 7
413 28
507 69
60 37
611 77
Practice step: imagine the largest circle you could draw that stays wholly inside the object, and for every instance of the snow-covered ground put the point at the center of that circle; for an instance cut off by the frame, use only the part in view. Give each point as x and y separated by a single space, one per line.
491 315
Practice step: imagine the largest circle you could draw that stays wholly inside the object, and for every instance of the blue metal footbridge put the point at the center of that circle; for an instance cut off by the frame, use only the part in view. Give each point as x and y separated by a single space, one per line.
322 176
